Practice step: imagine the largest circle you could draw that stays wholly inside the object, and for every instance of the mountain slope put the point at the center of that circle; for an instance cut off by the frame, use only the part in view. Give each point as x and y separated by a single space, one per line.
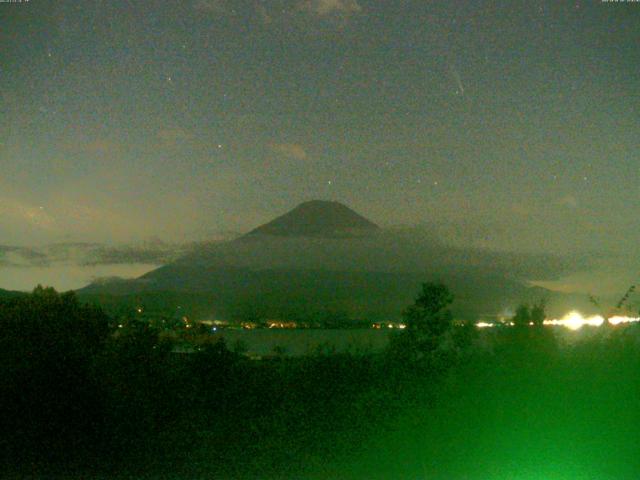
322 255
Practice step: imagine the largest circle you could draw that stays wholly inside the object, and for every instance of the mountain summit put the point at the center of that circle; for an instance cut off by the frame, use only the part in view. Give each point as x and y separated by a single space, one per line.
317 218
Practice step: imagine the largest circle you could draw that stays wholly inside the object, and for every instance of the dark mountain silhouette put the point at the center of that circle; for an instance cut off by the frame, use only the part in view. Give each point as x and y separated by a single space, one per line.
323 256
317 218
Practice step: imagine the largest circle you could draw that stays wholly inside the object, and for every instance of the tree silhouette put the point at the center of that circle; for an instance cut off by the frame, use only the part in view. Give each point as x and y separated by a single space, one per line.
607 314
538 313
522 316
48 346
429 313
427 321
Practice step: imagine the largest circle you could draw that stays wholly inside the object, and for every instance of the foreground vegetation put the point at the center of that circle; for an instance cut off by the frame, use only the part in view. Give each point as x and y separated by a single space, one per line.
82 394
83 398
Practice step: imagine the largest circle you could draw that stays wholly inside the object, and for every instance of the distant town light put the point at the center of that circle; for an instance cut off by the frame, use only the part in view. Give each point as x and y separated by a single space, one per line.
618 319
485 325
575 320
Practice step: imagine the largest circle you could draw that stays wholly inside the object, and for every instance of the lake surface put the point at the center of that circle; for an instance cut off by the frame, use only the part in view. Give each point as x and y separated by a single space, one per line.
307 341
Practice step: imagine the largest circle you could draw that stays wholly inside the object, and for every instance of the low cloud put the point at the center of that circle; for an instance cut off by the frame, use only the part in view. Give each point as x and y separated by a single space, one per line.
16 211
92 146
306 15
84 254
569 201
324 8
291 150
171 137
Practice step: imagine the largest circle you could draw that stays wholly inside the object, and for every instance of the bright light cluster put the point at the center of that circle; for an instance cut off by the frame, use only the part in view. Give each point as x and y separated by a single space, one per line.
618 319
575 320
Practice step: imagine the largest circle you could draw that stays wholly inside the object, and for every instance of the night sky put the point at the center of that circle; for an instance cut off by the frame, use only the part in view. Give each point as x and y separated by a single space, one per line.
511 124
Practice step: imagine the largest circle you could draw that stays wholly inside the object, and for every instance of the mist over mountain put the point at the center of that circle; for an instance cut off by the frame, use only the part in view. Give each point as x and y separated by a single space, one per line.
323 255
329 236
85 254
72 265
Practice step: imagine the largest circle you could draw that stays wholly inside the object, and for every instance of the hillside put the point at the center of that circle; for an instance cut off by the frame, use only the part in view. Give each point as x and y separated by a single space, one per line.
9 293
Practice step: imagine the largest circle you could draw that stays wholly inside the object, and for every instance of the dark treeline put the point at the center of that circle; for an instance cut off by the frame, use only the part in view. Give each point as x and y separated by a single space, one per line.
81 394
82 397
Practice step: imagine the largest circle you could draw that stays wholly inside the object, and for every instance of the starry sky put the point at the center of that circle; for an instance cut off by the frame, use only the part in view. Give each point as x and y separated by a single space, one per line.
505 124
